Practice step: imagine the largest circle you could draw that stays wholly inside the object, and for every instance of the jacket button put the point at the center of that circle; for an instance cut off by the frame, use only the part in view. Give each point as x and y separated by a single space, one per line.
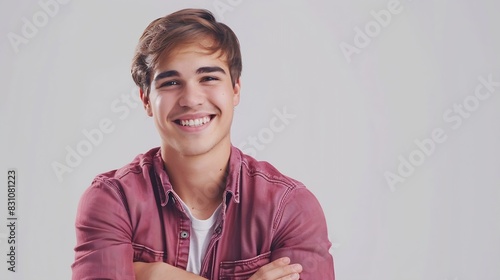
184 234
218 229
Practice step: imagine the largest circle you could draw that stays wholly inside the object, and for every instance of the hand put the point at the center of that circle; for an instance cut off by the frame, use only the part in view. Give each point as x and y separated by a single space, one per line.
280 269
162 271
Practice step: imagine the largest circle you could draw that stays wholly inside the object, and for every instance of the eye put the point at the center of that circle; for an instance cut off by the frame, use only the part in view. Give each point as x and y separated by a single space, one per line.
209 78
169 84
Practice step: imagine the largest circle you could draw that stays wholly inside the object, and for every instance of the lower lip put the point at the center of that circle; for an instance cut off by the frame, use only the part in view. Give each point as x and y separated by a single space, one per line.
194 128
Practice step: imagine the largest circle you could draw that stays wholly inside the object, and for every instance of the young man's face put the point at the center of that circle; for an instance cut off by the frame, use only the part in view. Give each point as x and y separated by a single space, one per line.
192 101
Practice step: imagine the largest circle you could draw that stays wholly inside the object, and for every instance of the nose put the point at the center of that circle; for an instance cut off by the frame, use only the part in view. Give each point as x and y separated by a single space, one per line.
191 96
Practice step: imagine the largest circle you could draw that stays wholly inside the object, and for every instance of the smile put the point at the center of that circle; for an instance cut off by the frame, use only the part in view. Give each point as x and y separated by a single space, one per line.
194 122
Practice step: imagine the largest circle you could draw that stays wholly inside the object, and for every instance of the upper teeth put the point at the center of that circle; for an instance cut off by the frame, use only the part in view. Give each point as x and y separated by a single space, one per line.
195 122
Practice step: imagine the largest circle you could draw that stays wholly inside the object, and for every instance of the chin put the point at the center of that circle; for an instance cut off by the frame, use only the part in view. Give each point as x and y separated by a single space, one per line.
197 146
194 151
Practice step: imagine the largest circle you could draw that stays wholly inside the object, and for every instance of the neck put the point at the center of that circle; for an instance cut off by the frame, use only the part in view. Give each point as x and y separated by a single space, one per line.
199 180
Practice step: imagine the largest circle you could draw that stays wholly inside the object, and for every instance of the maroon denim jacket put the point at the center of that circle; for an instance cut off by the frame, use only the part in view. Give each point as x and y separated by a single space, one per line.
265 216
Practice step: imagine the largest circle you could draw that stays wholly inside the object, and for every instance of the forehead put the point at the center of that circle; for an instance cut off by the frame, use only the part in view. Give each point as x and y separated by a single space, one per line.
202 51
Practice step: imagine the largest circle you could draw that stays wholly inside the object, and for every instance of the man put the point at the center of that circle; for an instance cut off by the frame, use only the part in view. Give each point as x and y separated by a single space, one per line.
197 207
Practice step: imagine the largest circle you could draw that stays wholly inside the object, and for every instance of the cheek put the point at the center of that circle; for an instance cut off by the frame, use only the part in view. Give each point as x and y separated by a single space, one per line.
161 105
223 101
157 102
224 97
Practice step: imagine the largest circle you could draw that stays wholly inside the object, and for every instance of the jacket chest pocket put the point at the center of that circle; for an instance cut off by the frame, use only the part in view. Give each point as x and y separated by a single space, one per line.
243 269
145 254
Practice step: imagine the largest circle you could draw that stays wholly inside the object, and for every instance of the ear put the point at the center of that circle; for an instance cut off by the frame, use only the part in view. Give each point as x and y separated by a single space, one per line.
236 90
146 102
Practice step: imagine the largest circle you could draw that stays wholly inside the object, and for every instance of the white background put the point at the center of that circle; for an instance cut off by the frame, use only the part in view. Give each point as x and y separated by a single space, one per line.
353 121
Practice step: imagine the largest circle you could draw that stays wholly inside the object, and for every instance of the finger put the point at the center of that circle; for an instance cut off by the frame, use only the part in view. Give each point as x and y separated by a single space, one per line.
284 272
294 276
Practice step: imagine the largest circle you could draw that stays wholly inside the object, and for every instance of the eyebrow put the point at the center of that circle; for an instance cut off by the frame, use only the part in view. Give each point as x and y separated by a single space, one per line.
210 69
166 74
201 70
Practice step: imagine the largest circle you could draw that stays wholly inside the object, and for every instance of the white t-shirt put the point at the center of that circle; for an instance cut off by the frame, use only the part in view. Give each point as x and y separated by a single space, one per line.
201 233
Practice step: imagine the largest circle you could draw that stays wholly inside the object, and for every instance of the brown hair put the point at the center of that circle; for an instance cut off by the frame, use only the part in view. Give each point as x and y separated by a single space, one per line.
165 34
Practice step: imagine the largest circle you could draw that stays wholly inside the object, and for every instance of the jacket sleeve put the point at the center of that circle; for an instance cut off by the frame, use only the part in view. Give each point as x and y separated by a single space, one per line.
301 234
103 234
